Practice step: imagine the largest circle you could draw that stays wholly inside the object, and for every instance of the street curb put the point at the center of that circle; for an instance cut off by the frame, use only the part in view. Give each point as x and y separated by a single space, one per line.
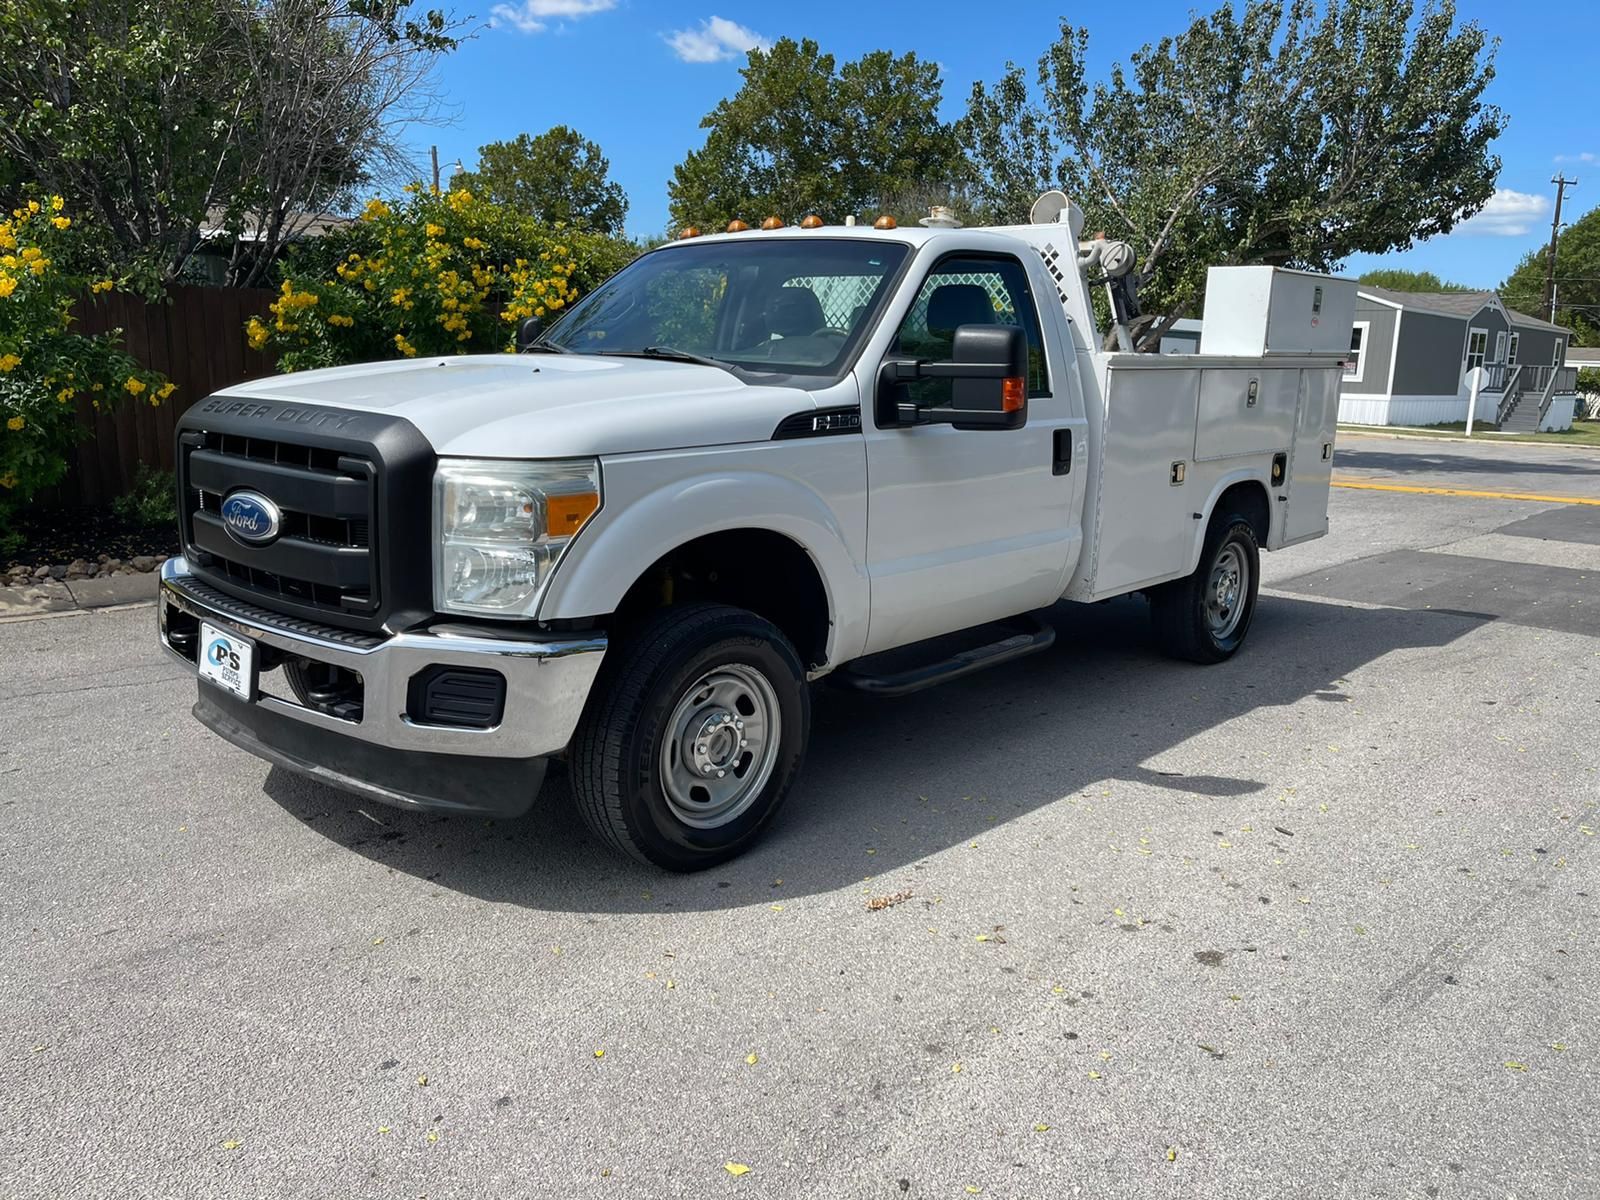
1503 439
51 597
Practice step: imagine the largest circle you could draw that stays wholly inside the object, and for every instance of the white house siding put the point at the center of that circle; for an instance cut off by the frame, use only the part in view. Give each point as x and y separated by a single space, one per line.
1559 418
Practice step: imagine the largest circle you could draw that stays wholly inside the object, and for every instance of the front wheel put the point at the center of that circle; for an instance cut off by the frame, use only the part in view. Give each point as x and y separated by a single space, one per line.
1203 618
695 732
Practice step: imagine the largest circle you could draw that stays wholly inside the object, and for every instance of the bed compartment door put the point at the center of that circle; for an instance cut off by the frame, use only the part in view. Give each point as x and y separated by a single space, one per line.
1146 526
1311 464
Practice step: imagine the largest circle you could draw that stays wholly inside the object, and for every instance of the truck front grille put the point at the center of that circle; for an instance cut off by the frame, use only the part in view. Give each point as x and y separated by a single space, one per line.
323 558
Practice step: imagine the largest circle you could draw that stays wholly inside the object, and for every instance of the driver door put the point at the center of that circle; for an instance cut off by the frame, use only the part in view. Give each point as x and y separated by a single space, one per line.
967 526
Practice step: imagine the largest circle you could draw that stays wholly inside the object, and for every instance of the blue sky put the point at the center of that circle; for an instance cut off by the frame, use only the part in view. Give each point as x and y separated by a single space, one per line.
638 75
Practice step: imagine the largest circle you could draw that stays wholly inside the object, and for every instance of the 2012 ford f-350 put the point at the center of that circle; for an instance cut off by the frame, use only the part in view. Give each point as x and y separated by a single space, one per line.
745 462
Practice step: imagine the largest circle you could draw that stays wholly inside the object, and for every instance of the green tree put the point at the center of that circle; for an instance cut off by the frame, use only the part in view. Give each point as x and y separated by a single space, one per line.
803 135
1275 133
158 117
1577 280
1397 279
559 177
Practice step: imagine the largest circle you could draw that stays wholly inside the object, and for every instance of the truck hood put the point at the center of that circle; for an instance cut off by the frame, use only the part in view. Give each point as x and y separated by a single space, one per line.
546 405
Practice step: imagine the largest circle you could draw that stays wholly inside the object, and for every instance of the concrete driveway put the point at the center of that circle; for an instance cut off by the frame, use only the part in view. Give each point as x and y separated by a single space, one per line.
1318 922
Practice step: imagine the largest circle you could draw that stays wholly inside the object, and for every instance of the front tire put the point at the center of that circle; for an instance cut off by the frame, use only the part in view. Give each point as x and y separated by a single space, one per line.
1204 617
696 731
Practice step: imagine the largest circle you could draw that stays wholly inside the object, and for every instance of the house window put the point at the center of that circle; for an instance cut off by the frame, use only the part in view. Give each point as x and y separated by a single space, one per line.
1516 341
1357 355
1477 346
1500 346
1555 355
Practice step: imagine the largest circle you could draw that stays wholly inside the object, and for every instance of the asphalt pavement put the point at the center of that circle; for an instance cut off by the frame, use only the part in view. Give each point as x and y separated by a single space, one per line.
1319 922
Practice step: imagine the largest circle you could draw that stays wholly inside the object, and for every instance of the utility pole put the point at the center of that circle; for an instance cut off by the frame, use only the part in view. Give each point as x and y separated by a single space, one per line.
1562 184
433 151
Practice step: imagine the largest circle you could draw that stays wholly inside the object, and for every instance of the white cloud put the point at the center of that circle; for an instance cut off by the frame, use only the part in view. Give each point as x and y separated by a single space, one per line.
717 40
1508 214
1586 157
532 16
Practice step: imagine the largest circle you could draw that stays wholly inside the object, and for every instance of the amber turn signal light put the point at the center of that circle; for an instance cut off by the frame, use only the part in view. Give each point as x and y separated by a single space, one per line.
565 513
1013 393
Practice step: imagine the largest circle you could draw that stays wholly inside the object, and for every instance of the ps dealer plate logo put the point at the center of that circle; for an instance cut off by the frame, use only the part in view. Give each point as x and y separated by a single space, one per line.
251 518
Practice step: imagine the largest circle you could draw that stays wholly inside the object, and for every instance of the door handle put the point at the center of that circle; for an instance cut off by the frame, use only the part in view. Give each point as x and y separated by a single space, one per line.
1062 462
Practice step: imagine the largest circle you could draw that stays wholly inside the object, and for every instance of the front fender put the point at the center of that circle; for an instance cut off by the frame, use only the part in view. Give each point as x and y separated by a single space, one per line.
651 509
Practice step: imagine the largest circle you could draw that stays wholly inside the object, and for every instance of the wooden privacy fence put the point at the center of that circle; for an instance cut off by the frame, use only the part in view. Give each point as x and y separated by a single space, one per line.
196 339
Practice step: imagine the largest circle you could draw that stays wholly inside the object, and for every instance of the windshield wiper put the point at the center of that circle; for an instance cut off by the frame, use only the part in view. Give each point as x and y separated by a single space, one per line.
544 348
670 354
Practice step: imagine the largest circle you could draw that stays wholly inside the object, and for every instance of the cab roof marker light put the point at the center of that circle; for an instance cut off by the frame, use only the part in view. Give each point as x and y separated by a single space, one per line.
812 221
885 222
736 226
772 223
689 231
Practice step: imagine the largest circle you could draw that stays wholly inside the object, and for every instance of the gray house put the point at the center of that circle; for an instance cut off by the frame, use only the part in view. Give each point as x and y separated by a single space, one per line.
1410 353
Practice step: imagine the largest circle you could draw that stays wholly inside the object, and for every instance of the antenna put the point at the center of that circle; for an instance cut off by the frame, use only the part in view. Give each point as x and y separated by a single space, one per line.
1047 209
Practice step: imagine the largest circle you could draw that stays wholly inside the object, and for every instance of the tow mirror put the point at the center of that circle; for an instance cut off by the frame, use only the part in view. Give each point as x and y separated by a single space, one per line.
988 370
528 332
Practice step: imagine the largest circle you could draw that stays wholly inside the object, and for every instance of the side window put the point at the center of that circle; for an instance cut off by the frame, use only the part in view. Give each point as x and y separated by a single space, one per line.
970 291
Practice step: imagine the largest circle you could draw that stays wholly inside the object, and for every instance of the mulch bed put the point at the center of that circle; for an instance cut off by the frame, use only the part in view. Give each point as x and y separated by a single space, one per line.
89 539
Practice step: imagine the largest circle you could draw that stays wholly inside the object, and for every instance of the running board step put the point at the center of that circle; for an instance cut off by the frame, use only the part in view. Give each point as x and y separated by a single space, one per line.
1032 636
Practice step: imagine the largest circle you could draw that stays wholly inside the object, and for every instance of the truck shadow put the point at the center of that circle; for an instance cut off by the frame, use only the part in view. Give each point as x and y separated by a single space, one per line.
1393 463
905 779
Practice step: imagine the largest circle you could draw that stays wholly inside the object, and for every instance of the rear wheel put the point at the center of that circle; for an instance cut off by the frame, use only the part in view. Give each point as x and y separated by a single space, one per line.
1204 617
695 732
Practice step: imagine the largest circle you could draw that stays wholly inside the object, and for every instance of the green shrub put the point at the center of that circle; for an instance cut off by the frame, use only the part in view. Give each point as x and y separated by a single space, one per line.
432 274
44 364
153 500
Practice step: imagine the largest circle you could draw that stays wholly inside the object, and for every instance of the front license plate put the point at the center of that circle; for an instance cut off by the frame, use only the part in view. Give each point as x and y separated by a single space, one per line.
227 660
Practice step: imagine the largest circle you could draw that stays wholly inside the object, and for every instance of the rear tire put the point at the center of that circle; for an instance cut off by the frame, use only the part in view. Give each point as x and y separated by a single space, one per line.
1203 618
692 738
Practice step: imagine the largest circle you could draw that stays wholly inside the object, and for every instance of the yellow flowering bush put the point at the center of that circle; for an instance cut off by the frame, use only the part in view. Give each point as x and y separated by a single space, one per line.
433 273
44 363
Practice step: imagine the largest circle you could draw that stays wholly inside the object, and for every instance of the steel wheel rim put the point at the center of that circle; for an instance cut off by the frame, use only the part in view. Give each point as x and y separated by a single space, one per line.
721 745
1226 589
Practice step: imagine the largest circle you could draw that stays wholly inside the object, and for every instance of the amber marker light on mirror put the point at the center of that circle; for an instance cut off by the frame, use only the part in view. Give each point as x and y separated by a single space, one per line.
1013 392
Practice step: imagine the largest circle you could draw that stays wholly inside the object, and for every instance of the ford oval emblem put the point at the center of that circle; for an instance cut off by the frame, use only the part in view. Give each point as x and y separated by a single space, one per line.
251 518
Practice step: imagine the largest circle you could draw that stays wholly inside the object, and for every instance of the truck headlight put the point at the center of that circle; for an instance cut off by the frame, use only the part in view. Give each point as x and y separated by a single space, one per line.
501 527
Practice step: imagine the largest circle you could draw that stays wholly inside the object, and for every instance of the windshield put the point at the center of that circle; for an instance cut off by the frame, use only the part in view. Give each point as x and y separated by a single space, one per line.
786 306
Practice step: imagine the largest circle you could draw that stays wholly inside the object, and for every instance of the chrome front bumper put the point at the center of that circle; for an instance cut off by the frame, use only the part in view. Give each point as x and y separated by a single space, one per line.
547 682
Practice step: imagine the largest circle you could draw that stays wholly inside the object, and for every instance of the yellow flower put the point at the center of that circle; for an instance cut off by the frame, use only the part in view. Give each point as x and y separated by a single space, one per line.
7 286
472 243
33 206
32 254
15 424
255 333
9 363
63 395
165 390
341 320
433 230
133 386
375 208
38 265
57 203
404 346
61 222
8 481
101 285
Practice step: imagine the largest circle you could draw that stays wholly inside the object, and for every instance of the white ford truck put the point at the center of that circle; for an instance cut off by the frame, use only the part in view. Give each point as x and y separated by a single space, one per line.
745 462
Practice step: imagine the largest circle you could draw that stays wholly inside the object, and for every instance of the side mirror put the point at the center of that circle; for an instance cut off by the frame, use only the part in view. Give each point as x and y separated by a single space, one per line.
528 332
988 370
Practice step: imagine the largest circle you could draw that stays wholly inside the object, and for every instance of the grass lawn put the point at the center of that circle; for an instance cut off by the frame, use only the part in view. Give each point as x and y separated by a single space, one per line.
1582 433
